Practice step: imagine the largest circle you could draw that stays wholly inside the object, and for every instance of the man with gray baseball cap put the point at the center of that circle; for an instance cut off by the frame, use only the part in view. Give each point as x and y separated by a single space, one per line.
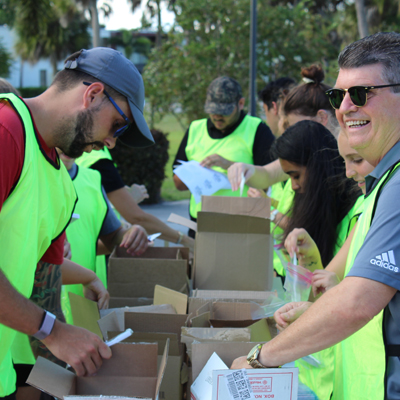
226 137
97 98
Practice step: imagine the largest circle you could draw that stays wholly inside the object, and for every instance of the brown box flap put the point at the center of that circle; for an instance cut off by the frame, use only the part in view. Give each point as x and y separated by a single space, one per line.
252 206
165 296
227 351
163 323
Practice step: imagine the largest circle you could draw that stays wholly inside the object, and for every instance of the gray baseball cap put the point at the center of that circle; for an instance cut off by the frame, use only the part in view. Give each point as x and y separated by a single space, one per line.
223 95
114 69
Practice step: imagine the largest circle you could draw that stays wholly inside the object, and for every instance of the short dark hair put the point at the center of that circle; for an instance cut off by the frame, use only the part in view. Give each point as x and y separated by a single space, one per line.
67 79
380 48
275 90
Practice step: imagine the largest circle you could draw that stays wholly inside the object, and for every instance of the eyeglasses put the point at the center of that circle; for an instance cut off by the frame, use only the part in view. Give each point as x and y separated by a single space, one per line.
121 130
358 94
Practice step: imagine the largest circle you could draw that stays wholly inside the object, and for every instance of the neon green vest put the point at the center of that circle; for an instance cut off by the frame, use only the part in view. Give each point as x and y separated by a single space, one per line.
35 214
88 159
236 147
284 206
321 379
83 233
362 355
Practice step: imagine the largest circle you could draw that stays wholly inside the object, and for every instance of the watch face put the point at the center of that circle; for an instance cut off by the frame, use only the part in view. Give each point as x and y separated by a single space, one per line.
253 353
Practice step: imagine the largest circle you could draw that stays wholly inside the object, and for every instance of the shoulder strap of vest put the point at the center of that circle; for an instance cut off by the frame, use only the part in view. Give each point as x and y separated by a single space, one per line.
389 175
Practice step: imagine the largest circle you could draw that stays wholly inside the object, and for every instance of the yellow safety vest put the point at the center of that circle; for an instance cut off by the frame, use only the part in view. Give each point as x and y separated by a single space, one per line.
236 147
32 217
361 367
83 233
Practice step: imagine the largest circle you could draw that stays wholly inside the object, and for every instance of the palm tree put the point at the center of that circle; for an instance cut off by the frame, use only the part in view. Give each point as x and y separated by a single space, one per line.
154 7
91 6
49 29
362 22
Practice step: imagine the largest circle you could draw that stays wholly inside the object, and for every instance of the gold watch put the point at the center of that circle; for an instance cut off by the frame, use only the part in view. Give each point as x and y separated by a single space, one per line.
252 357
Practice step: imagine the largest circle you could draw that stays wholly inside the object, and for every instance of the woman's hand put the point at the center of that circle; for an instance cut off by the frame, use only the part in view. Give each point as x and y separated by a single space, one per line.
236 171
323 280
300 242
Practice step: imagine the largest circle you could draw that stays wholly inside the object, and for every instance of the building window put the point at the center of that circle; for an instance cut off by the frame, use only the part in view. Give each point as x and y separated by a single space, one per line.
43 78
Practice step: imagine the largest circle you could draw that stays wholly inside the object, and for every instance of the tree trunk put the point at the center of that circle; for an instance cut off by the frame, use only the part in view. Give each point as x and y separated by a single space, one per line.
361 18
159 27
53 61
94 16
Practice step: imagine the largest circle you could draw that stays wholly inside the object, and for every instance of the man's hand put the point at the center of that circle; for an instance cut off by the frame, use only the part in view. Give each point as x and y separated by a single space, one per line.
235 174
216 161
78 347
240 363
300 242
96 291
323 280
138 192
135 240
289 313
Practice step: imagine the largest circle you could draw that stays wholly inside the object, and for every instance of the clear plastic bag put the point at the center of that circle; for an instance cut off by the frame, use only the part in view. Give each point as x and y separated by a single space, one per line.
297 283
267 308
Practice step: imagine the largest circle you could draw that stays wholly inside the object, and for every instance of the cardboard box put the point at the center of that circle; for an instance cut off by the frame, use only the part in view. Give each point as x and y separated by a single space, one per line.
233 252
252 206
130 372
271 383
235 315
227 351
200 297
158 328
131 280
202 387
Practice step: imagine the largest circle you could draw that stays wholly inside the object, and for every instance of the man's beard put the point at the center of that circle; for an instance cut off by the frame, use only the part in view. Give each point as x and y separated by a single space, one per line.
81 132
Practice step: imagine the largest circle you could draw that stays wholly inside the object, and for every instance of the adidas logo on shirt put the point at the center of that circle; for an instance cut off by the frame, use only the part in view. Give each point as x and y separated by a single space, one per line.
385 260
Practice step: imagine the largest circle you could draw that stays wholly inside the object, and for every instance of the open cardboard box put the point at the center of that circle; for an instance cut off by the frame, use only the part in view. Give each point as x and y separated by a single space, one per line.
200 297
130 372
160 328
233 247
131 279
251 206
150 324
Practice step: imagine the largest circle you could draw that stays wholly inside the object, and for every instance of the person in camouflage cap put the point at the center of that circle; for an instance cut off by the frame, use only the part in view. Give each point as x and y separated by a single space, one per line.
226 137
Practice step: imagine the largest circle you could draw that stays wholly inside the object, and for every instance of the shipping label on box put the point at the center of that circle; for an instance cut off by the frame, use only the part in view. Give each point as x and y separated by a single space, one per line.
272 383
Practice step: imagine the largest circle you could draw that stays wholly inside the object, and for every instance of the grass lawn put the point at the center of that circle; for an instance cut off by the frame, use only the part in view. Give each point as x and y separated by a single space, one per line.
170 125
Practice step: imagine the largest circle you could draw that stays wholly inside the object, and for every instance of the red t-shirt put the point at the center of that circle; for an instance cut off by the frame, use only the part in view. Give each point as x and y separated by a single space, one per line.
12 153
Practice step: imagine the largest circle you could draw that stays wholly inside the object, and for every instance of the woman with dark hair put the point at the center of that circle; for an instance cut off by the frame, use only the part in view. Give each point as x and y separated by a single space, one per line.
309 101
308 154
323 204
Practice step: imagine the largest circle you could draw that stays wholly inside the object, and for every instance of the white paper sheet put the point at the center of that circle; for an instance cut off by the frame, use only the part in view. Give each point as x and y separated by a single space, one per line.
201 181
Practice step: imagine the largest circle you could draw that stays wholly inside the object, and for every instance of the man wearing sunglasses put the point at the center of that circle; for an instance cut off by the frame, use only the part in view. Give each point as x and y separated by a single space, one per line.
367 101
226 137
98 97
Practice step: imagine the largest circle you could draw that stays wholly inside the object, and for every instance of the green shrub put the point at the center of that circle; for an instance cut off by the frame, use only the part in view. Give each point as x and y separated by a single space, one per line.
144 166
28 92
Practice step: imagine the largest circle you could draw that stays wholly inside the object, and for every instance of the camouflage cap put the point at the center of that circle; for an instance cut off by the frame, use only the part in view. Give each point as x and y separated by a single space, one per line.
223 95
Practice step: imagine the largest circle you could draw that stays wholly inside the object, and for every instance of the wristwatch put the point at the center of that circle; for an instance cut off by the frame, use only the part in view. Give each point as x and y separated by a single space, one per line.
46 327
252 357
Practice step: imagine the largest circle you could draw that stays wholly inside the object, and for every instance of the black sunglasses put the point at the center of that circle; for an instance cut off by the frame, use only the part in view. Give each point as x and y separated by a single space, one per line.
358 94
119 131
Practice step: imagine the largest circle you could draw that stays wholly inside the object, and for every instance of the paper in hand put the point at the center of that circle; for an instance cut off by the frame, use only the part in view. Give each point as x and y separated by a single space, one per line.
199 180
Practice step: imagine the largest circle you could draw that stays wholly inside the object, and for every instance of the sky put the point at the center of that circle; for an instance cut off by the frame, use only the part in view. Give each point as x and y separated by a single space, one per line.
123 18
